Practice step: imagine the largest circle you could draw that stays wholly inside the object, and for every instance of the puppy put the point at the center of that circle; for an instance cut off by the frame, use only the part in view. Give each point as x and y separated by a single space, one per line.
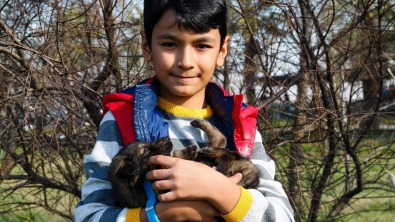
128 167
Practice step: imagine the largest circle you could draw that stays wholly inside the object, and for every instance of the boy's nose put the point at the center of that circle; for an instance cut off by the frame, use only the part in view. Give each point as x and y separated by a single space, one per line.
185 59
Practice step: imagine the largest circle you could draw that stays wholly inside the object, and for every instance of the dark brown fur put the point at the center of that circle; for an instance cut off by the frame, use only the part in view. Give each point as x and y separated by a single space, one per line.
128 168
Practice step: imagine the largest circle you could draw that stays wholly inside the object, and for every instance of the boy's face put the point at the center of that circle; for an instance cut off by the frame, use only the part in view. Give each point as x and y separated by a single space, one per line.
184 62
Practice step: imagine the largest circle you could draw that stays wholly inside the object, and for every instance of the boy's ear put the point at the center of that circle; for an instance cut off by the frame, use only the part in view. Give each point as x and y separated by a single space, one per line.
145 47
223 52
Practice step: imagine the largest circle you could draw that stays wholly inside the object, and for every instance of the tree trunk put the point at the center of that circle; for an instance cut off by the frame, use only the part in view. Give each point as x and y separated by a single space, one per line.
250 78
296 152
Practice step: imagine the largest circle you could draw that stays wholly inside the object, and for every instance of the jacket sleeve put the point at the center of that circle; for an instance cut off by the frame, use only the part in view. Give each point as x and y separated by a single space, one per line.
267 203
97 203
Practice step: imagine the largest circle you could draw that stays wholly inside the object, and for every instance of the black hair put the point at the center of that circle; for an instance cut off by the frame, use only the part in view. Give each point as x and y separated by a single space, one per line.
198 16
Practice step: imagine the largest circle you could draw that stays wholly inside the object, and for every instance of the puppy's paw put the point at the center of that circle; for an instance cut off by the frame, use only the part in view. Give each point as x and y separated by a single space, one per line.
198 123
188 153
191 152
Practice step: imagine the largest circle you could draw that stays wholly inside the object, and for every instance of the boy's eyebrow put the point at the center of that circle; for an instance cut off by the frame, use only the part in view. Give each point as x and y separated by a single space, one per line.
174 38
166 36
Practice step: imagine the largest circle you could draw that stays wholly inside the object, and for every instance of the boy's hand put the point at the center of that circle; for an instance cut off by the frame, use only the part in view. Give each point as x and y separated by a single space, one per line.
189 180
236 178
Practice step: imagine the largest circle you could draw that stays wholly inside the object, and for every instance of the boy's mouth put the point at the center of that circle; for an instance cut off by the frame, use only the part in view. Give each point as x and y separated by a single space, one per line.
184 77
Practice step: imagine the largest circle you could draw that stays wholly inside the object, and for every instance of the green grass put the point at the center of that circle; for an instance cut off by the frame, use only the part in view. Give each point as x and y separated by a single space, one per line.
24 203
375 203
372 209
25 213
10 211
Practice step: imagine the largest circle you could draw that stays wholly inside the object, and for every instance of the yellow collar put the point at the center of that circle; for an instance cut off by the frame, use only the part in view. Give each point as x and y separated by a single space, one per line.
181 111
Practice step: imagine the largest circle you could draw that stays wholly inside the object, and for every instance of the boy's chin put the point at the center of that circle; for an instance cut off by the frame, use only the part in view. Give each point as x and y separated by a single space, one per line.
187 93
183 94
184 91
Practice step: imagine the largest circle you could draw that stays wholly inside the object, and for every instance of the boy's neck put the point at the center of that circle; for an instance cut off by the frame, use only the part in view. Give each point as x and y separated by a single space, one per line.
196 101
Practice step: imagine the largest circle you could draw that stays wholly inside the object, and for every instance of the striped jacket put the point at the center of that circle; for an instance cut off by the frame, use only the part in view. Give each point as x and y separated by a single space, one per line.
134 112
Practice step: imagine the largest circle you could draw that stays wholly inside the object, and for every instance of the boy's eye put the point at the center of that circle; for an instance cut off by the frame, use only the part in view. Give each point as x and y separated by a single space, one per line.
203 46
168 45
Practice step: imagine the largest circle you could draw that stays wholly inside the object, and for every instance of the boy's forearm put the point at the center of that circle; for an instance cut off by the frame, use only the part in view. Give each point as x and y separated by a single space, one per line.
183 211
166 212
143 215
224 194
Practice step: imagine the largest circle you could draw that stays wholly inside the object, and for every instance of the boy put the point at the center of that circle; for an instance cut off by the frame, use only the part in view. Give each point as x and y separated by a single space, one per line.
185 40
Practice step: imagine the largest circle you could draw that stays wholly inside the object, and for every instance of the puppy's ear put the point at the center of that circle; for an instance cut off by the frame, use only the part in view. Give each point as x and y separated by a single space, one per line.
131 172
127 169
163 140
163 143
